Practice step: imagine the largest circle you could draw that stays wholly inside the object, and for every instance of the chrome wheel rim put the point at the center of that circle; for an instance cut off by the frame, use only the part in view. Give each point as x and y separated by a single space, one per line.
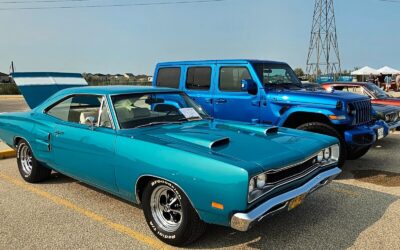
166 208
26 159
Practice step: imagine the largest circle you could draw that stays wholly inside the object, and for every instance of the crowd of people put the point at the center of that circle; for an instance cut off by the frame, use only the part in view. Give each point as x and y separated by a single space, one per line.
385 81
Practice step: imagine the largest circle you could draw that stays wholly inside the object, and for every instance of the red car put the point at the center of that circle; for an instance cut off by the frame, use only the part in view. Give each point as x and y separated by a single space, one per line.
377 95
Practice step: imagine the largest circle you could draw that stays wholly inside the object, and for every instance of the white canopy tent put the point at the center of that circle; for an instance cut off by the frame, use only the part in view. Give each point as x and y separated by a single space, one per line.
388 71
365 71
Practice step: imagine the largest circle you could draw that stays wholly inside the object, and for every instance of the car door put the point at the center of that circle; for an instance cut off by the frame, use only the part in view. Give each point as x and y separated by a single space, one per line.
83 143
230 102
197 84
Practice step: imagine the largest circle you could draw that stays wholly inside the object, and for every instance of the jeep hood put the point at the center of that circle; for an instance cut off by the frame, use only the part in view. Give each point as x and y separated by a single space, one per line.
318 97
240 144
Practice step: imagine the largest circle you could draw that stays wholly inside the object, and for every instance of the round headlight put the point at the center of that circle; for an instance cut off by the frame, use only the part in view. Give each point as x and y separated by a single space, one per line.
320 156
327 154
252 185
261 180
348 109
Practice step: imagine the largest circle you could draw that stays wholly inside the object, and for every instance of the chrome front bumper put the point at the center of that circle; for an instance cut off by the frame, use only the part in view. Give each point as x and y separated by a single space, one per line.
244 221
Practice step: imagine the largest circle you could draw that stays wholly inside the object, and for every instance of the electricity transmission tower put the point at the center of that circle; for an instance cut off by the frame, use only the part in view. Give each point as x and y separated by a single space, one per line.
323 54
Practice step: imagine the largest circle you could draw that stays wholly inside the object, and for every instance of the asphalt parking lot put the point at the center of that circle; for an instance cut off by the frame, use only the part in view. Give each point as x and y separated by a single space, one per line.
359 210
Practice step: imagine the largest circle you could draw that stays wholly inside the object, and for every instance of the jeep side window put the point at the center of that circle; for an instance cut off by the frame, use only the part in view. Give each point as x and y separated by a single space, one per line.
230 78
198 78
168 77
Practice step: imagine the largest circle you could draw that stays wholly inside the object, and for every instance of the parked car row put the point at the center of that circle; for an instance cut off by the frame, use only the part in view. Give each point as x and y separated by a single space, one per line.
227 142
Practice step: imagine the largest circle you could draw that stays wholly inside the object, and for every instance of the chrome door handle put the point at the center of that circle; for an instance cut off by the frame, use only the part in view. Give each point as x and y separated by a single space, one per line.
57 133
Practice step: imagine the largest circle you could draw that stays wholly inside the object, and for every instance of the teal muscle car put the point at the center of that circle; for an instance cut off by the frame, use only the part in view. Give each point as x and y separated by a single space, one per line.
156 147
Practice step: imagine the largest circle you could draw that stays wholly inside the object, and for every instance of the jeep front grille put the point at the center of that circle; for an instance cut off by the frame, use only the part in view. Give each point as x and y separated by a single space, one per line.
363 112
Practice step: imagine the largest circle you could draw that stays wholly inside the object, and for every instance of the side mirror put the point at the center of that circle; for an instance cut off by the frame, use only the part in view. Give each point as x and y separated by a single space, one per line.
250 86
90 122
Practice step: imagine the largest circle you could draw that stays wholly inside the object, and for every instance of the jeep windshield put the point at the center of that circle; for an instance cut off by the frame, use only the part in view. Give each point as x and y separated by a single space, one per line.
275 75
151 109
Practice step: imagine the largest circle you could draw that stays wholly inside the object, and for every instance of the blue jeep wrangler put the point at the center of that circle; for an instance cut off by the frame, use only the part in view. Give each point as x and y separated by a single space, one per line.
269 92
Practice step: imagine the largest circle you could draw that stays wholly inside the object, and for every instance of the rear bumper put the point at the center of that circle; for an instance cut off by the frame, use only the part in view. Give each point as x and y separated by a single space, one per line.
365 135
244 221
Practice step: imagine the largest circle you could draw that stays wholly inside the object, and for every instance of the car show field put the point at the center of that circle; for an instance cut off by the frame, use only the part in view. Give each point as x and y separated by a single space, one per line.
358 210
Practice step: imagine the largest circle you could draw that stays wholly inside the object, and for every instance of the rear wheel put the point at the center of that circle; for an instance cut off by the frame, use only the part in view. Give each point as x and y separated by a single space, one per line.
29 168
322 128
170 215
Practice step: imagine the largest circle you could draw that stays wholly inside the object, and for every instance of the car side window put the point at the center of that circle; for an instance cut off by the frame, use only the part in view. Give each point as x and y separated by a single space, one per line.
168 77
198 78
77 108
230 78
354 89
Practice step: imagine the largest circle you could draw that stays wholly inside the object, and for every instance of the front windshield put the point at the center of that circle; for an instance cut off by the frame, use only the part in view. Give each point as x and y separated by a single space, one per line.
147 109
376 91
274 74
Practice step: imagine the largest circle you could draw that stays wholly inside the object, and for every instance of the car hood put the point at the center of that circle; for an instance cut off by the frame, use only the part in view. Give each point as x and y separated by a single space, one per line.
241 144
317 97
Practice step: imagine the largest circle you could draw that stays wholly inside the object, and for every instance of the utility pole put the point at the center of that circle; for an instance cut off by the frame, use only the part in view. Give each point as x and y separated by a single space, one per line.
323 54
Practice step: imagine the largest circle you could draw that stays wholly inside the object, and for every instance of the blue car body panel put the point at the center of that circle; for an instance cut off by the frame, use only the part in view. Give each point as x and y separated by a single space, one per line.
272 106
116 160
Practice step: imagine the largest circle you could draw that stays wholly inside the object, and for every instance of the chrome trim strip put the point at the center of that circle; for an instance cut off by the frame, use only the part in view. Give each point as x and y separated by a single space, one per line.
244 221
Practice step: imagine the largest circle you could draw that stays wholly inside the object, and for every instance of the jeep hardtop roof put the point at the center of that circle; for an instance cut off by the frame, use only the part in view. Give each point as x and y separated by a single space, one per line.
228 61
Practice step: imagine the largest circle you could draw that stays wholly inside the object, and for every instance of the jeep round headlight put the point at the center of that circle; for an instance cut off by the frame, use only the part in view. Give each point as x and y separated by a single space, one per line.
252 185
261 180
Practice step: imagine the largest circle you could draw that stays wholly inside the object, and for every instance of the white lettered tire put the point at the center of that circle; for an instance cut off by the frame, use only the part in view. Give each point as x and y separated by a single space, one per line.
29 168
170 214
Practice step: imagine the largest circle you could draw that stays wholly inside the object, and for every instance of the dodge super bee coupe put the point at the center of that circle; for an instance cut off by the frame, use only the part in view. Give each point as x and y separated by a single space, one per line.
156 147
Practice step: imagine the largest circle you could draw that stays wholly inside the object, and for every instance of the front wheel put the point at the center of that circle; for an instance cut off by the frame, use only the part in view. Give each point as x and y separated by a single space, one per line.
30 169
322 128
357 153
170 214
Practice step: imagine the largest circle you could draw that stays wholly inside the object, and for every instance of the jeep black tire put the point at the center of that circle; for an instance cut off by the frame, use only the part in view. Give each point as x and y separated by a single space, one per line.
355 154
30 169
170 214
322 128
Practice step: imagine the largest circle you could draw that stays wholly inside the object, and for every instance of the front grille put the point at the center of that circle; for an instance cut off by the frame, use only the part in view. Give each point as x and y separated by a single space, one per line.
290 172
363 112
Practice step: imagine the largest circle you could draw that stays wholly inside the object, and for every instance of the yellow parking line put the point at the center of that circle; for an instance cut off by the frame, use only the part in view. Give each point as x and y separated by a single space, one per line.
9 153
91 215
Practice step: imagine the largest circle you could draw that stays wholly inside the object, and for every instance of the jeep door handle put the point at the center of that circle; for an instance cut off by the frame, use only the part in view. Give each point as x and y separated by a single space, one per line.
221 101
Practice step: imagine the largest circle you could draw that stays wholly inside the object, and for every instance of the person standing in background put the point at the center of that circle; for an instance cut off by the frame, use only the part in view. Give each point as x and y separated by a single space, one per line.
380 80
397 82
388 82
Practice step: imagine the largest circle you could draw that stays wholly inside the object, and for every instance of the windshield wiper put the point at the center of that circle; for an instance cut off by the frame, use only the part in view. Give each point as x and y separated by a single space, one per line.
156 123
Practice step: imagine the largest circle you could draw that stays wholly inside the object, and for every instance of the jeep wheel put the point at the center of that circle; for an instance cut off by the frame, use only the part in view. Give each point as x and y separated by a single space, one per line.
170 214
29 168
357 153
322 128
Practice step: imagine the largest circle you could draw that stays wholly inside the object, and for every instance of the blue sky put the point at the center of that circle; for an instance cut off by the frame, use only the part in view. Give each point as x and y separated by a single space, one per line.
134 39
